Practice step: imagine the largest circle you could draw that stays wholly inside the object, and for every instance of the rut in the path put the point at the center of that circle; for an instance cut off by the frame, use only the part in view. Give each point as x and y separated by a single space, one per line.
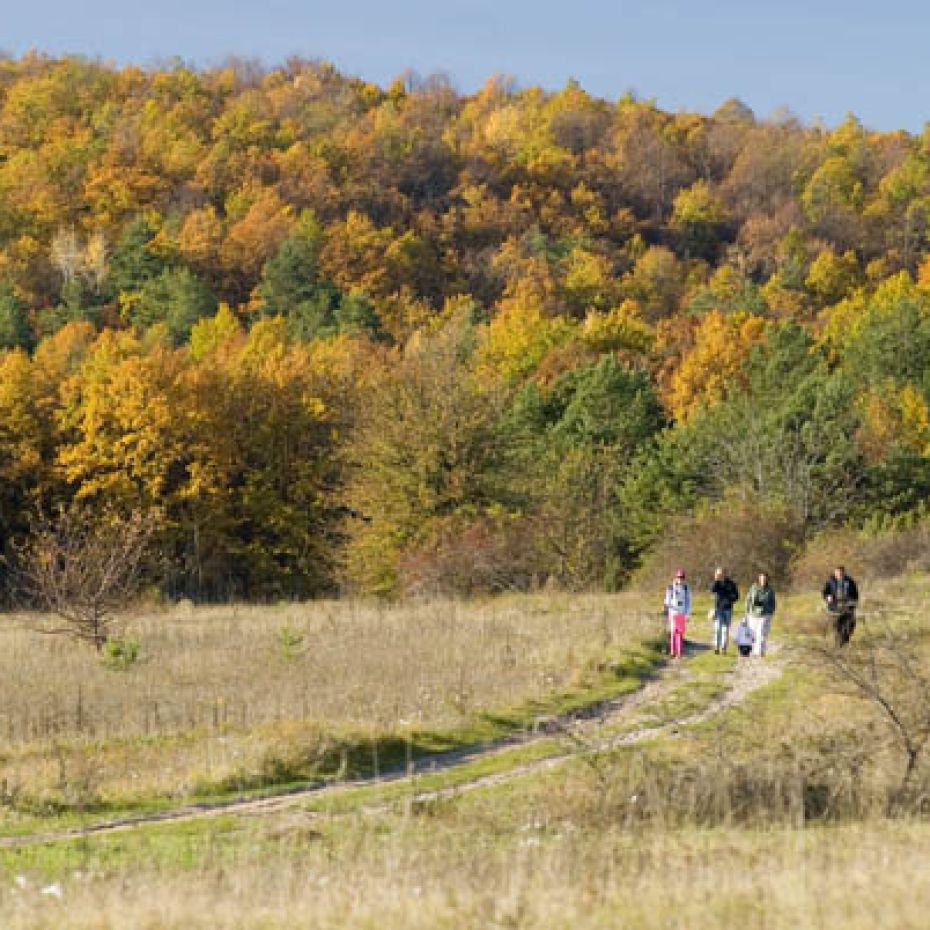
749 676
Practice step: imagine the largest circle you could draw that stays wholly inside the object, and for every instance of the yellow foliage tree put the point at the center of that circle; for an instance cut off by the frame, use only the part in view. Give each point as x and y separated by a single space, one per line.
210 334
25 437
620 330
832 277
893 417
121 411
518 338
711 371
698 212
589 282
843 322
201 237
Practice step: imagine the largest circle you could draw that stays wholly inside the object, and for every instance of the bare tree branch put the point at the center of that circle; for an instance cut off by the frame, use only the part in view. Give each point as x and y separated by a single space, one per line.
883 667
82 567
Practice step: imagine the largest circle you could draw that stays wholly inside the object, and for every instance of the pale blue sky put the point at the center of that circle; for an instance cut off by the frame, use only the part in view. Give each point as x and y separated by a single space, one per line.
821 58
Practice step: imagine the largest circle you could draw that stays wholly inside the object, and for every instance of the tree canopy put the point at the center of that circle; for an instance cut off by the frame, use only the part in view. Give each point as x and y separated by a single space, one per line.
342 337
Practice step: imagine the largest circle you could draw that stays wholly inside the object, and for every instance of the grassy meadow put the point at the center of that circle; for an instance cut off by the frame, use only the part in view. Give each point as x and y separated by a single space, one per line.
235 697
773 814
448 871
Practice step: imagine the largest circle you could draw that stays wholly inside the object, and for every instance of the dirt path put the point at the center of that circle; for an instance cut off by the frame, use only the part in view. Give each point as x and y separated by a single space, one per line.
748 677
583 734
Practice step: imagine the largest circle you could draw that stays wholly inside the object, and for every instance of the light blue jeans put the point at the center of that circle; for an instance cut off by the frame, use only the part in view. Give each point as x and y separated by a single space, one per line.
722 618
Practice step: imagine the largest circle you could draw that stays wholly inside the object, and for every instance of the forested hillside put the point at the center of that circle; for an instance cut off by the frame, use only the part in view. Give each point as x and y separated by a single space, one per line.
389 340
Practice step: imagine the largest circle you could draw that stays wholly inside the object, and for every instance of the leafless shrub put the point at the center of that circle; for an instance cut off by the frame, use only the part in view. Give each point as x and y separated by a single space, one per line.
81 567
867 556
746 536
489 555
885 668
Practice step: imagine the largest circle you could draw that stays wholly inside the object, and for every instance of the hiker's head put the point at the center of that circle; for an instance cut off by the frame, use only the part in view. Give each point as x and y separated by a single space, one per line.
763 578
720 572
839 572
680 576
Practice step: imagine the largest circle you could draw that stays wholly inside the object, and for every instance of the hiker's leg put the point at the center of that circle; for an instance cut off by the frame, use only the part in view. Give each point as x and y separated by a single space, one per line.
766 626
756 625
847 623
725 618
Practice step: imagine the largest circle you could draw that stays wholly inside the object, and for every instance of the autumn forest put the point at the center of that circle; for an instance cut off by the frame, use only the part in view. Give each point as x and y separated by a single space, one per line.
340 337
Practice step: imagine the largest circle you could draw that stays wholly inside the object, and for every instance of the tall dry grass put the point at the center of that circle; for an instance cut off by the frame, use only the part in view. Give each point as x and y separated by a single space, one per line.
429 876
219 690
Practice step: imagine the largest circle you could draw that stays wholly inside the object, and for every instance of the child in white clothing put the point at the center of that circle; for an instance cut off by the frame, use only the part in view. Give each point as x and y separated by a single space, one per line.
745 638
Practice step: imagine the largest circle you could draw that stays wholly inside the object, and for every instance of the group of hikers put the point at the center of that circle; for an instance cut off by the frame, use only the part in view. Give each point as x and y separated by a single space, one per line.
840 594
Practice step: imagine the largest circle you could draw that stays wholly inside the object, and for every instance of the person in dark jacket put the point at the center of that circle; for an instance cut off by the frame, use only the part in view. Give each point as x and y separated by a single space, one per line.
841 595
726 594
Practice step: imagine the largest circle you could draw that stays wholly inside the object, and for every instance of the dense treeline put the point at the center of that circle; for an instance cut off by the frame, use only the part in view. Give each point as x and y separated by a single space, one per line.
342 336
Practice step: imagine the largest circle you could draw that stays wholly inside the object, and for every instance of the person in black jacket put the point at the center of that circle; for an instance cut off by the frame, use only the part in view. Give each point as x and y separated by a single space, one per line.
726 594
841 596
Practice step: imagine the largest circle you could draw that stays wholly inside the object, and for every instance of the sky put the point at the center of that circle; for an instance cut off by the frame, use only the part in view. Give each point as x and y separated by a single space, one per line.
819 58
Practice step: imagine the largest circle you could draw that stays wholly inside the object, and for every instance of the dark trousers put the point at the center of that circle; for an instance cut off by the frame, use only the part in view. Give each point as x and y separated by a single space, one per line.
843 625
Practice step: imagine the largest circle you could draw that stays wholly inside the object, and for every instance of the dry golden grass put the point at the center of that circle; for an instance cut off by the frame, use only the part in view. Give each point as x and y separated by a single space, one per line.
433 875
570 849
219 690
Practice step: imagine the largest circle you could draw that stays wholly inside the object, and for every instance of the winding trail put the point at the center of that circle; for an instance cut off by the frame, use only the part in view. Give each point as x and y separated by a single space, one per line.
583 734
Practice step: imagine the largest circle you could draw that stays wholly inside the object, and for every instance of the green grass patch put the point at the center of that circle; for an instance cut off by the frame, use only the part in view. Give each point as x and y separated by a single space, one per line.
172 846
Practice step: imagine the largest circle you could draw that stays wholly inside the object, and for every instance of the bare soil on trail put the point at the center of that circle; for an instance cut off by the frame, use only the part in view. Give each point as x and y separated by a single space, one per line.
611 725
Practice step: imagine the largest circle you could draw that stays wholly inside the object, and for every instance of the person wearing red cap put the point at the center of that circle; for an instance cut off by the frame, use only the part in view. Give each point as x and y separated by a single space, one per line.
678 607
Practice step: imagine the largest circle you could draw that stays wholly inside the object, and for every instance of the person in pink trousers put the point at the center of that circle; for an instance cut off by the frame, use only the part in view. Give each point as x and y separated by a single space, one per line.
679 624
678 608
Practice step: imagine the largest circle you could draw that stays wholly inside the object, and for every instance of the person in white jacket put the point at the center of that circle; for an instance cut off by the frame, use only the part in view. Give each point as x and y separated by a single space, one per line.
678 608
744 637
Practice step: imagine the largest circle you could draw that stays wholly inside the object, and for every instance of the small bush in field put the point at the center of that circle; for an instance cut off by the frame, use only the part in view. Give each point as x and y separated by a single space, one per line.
290 642
120 654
